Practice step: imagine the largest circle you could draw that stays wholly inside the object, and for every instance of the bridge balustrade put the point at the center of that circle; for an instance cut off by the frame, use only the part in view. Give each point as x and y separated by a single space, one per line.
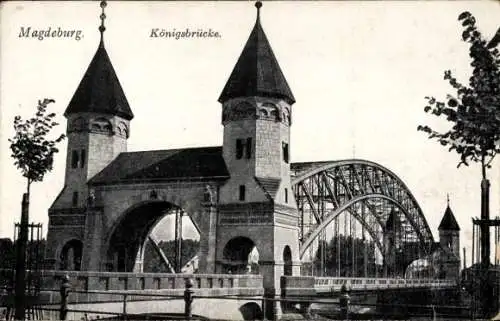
122 281
297 285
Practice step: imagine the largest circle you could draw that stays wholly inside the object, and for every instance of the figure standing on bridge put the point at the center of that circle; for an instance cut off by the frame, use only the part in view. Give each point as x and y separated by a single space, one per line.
344 302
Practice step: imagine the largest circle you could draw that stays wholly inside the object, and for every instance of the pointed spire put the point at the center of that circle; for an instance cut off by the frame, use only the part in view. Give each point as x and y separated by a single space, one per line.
100 91
257 72
102 28
258 5
448 222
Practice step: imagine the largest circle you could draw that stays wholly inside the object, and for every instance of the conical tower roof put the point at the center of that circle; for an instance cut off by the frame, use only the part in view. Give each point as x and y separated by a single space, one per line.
448 222
100 90
257 72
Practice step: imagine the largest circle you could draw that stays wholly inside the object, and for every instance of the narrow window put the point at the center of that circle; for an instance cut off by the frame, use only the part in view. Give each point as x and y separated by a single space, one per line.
249 147
239 148
286 156
206 197
74 159
82 160
242 192
286 195
75 199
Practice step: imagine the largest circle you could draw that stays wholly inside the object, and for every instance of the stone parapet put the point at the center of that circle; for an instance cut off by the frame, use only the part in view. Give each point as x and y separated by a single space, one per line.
108 281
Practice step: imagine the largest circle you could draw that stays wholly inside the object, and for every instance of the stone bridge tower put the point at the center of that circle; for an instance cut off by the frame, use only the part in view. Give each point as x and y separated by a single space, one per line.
98 126
257 208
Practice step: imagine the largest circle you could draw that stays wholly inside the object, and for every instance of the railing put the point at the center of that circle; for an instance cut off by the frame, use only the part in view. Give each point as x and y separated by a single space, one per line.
124 281
335 284
61 307
345 309
309 285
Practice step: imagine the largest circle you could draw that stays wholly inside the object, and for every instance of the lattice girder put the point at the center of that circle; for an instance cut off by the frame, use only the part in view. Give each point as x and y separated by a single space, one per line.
326 189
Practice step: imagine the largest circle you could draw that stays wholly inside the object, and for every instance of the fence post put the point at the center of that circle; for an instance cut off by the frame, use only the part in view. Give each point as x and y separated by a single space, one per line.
22 243
125 306
188 298
264 303
344 302
65 287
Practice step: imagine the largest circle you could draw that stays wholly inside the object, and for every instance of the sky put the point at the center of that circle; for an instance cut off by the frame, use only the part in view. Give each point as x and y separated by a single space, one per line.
359 72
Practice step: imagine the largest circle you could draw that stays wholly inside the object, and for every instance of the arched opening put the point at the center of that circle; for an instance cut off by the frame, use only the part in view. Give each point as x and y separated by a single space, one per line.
251 311
101 125
240 256
244 110
71 255
420 268
149 238
287 259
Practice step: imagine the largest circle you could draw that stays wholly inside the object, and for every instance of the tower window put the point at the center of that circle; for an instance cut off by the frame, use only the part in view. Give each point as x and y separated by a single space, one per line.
286 195
75 199
239 148
242 192
249 147
82 156
244 147
74 159
286 155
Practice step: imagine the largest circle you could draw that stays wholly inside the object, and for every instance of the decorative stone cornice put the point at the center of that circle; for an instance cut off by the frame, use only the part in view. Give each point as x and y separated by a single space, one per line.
247 213
67 220
256 108
68 210
158 184
285 209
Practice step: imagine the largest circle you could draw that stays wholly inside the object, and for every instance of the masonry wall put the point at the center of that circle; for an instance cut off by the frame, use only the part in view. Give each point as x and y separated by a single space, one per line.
450 239
242 171
96 140
116 202
102 138
268 215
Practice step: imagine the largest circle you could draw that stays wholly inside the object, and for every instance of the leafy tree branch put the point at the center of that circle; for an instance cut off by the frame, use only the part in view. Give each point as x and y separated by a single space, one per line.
32 149
473 109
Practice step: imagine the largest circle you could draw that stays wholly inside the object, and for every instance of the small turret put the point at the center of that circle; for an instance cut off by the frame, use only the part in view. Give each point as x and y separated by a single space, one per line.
449 241
449 231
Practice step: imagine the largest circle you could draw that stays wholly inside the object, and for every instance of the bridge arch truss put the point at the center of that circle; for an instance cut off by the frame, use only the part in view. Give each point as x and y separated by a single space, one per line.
365 190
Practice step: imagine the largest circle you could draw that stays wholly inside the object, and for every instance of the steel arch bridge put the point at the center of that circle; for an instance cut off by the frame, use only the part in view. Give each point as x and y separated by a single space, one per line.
366 191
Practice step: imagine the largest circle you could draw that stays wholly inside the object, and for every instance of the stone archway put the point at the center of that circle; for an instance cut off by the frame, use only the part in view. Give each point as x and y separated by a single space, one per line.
126 243
71 255
240 256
